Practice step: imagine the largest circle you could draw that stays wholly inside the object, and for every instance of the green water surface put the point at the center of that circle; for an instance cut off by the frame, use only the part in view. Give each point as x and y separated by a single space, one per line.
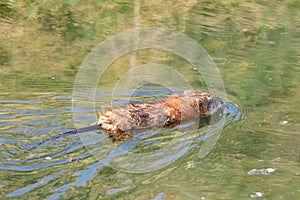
255 45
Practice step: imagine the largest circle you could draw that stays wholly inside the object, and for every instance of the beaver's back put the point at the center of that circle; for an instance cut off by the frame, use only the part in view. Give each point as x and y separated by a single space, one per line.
170 111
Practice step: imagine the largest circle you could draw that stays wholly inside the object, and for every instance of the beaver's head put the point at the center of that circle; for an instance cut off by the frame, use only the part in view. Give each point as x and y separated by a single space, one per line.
205 103
213 104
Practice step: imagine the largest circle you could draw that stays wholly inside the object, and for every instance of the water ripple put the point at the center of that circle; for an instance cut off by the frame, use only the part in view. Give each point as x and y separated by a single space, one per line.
23 140
21 101
35 185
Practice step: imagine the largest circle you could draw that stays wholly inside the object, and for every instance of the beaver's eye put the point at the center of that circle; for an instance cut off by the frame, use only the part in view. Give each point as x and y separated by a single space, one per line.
210 103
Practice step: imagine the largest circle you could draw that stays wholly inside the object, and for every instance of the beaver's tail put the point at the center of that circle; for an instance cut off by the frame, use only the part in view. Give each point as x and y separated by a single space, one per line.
75 131
80 130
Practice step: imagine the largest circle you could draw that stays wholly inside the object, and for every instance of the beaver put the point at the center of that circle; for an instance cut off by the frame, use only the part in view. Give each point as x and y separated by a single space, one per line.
119 122
162 113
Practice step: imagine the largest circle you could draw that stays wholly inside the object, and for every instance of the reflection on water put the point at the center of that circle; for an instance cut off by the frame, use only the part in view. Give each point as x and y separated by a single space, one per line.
255 45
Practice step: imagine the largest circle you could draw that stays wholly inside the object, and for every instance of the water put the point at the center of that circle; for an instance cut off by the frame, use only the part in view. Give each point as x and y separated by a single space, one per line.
255 46
48 162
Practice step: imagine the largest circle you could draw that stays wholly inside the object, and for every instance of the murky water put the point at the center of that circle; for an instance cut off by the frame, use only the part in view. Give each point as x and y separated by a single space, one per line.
254 45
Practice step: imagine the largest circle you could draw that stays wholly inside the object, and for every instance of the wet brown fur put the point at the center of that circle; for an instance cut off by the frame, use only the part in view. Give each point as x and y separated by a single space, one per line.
169 112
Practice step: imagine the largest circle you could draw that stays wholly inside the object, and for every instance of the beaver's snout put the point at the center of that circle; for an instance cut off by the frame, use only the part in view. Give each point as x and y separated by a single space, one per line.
214 104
